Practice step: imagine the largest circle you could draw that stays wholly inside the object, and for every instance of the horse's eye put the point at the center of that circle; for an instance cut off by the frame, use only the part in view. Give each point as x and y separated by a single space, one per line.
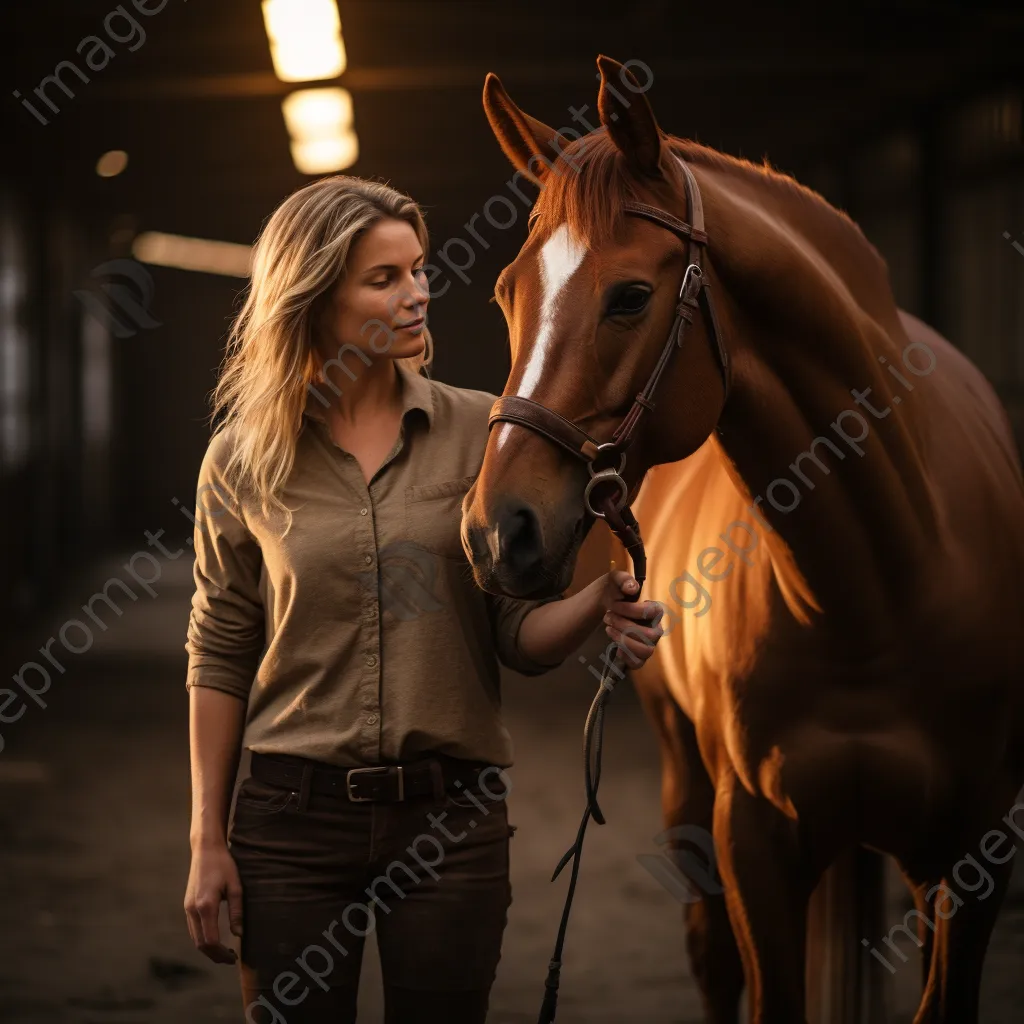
631 299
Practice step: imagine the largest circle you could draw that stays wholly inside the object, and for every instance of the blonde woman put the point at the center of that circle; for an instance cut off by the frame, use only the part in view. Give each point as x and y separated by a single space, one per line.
336 632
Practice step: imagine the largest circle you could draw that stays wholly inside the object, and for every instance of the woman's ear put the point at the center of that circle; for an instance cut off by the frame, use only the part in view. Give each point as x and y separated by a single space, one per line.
627 115
530 144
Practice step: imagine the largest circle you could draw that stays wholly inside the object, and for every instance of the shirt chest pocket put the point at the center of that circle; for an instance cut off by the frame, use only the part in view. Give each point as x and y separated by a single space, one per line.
433 515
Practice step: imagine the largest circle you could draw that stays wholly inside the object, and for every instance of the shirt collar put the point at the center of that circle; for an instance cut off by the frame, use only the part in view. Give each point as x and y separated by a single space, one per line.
416 394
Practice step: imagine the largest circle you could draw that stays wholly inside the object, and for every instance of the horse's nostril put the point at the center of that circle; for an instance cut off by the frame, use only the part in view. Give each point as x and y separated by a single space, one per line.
519 540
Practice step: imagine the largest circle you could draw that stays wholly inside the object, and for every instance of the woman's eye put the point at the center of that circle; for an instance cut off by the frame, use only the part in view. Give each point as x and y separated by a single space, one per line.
384 282
630 300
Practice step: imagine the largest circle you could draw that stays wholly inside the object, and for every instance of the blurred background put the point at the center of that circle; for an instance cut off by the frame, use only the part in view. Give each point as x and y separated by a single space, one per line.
144 145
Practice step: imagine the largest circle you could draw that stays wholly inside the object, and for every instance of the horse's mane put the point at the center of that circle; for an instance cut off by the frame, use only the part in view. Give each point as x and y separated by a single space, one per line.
591 181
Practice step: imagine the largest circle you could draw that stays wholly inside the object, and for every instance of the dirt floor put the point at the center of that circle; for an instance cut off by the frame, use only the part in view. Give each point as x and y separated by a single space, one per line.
94 853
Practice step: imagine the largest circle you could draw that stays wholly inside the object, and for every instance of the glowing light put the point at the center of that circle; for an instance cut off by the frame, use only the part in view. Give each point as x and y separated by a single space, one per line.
200 254
319 122
112 163
321 156
315 113
305 39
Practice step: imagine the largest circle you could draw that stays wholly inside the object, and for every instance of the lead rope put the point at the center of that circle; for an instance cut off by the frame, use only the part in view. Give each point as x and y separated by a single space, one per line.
593 740
625 527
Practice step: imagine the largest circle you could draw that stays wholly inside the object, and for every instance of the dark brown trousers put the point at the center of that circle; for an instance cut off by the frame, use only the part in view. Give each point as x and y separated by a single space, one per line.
429 875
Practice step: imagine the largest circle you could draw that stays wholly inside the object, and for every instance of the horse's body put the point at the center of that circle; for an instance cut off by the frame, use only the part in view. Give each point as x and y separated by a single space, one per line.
917 719
913 749
844 584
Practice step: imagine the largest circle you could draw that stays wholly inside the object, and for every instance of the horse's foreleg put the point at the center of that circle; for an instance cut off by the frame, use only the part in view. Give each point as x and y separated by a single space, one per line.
688 801
964 907
925 924
953 990
767 888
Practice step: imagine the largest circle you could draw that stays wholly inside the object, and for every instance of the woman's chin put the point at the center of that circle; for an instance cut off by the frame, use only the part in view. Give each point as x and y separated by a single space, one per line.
404 348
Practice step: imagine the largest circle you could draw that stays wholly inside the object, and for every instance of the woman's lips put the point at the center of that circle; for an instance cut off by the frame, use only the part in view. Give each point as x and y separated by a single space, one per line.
411 325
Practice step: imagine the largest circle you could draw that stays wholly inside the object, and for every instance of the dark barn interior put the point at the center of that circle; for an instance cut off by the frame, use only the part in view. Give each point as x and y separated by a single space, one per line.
909 116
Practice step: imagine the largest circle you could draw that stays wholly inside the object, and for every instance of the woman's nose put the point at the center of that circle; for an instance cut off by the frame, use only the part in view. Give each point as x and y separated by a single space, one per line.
419 296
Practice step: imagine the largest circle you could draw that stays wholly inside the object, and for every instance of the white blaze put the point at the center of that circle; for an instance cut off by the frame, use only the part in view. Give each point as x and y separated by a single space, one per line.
560 256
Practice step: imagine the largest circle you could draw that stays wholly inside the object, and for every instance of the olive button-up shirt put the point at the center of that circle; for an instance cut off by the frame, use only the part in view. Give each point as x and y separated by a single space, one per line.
360 637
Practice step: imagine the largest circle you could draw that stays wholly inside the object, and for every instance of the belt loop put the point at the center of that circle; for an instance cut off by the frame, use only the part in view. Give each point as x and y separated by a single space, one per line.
304 786
437 775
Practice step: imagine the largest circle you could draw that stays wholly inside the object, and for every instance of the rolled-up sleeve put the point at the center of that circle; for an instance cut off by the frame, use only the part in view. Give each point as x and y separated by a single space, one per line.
507 614
226 631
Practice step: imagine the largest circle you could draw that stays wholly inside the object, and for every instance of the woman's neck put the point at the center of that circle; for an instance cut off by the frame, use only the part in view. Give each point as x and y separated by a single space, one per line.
362 393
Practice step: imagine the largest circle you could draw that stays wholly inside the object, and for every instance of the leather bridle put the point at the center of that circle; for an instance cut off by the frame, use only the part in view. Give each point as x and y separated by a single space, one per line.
611 504
601 458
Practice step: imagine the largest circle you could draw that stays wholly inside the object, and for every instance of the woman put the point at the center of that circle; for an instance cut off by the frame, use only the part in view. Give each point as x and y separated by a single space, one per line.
328 519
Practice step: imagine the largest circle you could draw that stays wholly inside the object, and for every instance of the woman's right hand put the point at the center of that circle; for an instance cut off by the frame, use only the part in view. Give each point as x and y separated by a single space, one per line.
212 879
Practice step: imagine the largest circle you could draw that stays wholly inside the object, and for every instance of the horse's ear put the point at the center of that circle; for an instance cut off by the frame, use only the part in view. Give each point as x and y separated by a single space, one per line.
627 115
530 144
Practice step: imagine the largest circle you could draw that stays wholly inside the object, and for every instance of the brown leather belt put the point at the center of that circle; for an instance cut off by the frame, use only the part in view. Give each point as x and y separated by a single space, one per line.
430 777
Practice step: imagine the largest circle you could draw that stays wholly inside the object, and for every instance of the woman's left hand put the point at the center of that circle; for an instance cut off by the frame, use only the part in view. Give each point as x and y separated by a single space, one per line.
634 626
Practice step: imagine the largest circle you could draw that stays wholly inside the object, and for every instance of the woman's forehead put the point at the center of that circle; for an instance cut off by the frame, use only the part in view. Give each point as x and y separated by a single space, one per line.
387 241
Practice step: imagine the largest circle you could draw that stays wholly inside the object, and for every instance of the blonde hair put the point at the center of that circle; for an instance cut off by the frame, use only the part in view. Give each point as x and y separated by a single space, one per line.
270 360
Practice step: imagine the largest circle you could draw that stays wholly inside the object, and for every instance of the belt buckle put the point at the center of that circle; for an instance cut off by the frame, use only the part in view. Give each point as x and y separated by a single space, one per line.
378 768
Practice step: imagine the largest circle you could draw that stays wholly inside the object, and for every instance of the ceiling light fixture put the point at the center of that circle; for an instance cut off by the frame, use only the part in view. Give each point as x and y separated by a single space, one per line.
205 255
319 122
305 39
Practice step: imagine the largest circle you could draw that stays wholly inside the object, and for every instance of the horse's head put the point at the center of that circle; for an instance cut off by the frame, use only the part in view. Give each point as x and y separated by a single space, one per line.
589 301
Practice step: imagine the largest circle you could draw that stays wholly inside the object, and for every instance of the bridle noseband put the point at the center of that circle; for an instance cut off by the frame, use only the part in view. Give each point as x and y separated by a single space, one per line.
611 505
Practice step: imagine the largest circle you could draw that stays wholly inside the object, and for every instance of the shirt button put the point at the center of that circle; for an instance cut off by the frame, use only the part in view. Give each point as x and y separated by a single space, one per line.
371 660
371 719
362 511
368 559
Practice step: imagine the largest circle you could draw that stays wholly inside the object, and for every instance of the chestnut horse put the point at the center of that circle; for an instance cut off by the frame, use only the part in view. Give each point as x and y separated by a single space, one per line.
834 527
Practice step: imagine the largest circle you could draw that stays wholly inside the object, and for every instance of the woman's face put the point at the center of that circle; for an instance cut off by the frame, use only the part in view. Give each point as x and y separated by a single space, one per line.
379 305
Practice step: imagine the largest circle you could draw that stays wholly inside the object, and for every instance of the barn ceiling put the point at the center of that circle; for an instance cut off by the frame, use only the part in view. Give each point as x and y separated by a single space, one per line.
197 106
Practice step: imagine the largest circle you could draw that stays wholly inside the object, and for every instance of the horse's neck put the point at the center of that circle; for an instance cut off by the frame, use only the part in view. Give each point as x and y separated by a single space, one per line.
810 314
